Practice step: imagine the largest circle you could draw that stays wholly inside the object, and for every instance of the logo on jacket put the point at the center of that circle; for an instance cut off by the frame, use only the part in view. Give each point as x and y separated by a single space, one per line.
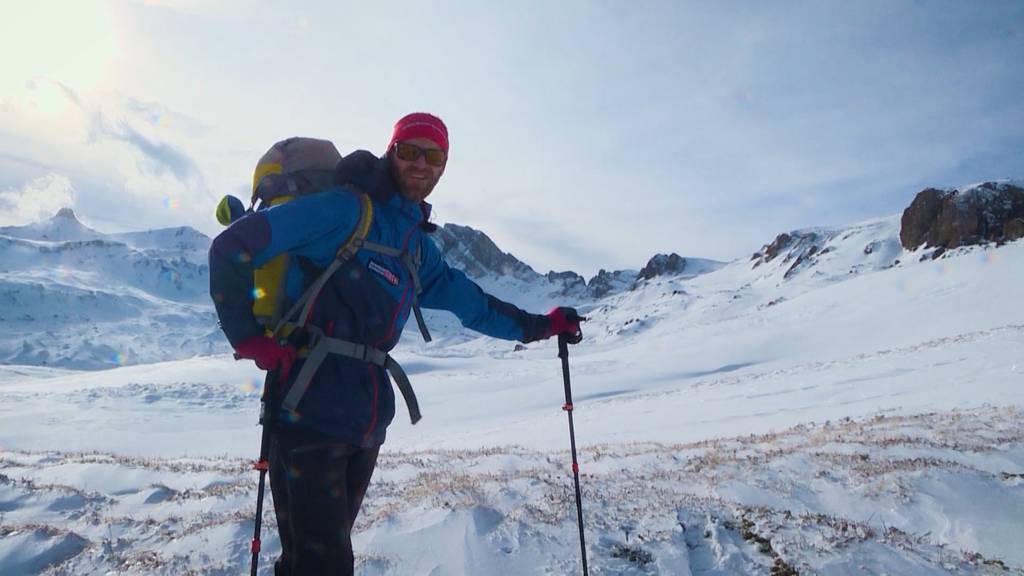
382 271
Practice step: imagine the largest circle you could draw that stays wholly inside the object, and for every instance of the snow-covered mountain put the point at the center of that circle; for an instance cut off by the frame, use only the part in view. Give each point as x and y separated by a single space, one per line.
78 298
74 297
62 227
504 275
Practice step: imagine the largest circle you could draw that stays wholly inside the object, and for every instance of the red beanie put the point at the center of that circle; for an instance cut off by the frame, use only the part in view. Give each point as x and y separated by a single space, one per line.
420 125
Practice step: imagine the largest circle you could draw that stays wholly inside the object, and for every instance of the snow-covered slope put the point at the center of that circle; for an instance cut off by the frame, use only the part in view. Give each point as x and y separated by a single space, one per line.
833 405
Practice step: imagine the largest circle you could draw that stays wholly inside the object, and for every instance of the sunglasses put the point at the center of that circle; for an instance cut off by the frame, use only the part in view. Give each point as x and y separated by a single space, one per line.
411 152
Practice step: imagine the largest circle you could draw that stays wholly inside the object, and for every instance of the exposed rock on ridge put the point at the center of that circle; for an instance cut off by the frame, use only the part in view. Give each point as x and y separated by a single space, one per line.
799 247
473 252
607 282
989 212
663 265
477 255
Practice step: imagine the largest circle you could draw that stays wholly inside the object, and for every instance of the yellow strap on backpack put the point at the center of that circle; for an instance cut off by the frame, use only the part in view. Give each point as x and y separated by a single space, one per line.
268 283
355 241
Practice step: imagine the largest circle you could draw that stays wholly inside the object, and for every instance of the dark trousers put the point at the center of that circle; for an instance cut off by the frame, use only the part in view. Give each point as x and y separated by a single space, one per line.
318 486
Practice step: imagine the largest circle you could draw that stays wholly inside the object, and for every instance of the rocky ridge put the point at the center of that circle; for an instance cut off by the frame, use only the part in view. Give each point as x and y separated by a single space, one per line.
948 218
473 252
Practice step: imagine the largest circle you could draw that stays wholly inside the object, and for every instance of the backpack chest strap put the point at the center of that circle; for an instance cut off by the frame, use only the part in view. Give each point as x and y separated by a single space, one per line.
325 346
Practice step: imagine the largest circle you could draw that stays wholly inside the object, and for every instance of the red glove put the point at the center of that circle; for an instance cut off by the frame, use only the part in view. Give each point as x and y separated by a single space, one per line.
565 320
268 354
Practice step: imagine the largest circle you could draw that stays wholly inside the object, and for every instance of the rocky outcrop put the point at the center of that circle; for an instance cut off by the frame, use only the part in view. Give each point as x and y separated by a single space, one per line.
477 255
607 282
989 212
474 253
799 249
770 251
571 282
663 265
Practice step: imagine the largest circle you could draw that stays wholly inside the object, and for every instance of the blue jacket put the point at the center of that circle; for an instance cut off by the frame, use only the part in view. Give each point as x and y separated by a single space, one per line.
368 300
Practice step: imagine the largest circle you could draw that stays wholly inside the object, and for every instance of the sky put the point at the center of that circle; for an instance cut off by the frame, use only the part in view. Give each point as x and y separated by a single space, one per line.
584 135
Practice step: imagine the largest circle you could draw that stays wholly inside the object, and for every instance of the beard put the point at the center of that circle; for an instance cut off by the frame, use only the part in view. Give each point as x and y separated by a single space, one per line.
415 183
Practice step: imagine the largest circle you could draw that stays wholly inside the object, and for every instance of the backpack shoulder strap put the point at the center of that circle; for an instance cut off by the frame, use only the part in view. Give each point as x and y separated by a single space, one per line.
345 252
412 264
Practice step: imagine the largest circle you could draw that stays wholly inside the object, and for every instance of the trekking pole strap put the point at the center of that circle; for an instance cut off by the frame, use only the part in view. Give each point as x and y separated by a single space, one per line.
325 346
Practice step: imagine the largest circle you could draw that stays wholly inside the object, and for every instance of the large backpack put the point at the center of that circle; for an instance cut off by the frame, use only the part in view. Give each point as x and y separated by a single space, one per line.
292 168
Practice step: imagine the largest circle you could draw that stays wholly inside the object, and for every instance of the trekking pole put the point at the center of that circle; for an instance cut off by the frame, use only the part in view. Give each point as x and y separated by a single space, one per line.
263 464
563 353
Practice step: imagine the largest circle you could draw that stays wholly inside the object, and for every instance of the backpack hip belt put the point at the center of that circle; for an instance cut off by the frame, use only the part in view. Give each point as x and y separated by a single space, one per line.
324 346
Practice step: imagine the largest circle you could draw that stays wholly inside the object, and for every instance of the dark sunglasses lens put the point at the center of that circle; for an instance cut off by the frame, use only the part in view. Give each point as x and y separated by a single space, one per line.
407 152
435 157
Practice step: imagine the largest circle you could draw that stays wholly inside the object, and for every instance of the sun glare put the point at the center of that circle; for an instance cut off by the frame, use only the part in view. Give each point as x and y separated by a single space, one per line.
68 42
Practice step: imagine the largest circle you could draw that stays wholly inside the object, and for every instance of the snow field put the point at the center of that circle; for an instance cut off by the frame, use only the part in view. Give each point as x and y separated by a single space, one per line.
834 412
905 494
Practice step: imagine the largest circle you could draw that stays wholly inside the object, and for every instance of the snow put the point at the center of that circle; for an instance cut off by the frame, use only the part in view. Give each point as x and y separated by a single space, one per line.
851 410
76 298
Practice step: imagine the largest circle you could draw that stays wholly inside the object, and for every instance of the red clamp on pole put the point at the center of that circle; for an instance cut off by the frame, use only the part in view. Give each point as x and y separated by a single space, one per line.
567 407
255 545
261 465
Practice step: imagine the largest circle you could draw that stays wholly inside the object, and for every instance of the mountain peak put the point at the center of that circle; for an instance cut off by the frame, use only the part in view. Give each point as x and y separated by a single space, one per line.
64 226
67 213
477 255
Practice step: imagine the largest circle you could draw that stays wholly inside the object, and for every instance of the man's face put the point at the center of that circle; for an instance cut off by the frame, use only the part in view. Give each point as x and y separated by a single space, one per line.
416 179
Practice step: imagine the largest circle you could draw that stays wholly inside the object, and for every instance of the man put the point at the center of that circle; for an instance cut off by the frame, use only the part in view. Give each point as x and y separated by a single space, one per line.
336 411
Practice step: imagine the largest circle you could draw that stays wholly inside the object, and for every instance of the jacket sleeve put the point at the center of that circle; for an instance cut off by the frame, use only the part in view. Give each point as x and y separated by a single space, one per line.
313 226
446 288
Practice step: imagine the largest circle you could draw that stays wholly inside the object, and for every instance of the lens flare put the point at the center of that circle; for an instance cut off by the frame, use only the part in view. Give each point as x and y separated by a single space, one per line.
253 385
943 268
172 276
171 203
258 293
120 359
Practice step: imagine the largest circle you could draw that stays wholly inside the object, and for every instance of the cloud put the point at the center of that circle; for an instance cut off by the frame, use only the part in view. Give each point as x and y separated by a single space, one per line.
39 199
157 115
161 157
134 162
41 83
